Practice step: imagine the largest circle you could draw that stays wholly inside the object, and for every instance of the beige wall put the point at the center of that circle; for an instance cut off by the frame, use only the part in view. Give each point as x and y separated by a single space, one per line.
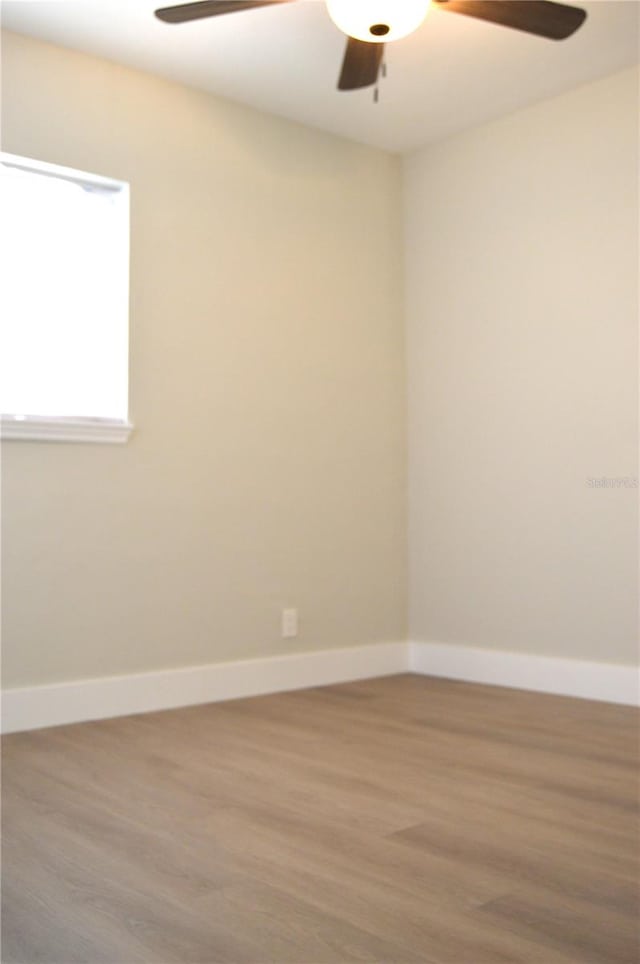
267 389
268 464
522 300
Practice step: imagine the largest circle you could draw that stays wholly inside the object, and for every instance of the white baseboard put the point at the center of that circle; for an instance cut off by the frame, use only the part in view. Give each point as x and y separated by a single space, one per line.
611 682
34 707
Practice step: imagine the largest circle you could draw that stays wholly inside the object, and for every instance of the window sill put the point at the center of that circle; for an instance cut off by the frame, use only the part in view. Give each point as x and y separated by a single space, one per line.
33 428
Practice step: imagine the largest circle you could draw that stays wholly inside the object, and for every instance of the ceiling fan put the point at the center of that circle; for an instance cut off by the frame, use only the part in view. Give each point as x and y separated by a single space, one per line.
369 24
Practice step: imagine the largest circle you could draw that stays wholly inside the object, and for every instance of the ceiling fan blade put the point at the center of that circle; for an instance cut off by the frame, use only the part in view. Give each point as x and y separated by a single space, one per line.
209 8
360 65
541 17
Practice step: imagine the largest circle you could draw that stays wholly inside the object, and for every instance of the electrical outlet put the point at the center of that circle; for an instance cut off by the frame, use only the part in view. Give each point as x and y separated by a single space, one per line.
289 623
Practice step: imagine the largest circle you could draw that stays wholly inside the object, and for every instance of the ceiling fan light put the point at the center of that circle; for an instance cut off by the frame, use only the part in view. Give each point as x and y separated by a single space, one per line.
377 21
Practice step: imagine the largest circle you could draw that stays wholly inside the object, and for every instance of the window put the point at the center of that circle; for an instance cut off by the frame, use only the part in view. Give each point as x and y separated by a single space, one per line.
64 256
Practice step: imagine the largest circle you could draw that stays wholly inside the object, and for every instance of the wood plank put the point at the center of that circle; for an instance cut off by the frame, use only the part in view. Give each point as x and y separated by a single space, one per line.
394 820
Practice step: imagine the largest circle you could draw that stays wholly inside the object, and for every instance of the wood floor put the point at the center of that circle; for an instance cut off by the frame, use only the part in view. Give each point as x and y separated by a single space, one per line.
395 820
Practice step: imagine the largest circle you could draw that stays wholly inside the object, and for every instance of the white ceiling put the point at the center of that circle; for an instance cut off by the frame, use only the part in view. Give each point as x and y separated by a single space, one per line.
453 73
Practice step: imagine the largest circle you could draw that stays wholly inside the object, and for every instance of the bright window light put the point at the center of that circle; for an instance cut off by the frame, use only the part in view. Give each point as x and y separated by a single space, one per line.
64 256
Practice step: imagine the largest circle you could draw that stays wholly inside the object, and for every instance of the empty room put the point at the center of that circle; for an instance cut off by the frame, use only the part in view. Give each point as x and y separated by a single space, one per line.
319 390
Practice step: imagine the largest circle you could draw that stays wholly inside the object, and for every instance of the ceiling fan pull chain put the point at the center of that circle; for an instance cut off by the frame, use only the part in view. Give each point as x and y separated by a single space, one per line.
376 91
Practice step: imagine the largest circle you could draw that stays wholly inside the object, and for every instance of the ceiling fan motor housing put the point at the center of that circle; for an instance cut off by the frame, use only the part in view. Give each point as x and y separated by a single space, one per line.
378 21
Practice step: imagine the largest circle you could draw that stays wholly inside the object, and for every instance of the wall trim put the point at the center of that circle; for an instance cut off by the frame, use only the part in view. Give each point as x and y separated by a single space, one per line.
58 428
610 682
34 707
